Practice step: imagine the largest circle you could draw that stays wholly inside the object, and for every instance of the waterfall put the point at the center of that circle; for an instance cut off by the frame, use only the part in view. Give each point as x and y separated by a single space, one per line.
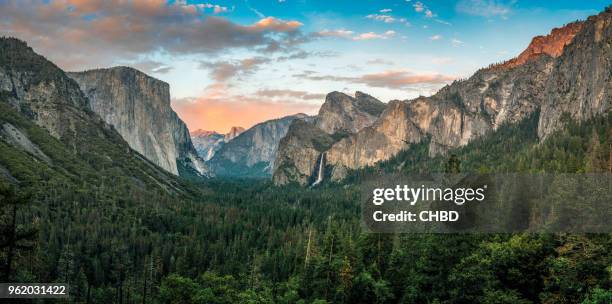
321 172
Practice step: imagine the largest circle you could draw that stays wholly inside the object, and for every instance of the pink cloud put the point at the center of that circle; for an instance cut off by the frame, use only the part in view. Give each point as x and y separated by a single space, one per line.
393 79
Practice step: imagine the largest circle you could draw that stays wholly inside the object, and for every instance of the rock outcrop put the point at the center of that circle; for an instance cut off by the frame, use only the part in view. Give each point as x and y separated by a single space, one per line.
17 138
47 116
138 107
339 116
568 71
450 118
41 91
581 80
343 113
298 153
551 44
233 133
207 143
252 153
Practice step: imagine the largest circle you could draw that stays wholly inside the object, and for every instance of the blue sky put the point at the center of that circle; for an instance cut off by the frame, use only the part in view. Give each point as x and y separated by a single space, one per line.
241 62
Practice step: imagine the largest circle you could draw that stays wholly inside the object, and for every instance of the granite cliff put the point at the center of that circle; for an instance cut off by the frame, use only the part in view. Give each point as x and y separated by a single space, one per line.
46 123
343 113
567 71
580 84
252 153
138 107
340 116
207 143
41 91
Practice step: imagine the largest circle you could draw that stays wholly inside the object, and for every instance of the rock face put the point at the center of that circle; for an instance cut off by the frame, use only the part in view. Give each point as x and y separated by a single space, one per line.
138 107
568 71
298 153
207 143
451 118
252 153
41 91
581 81
48 119
339 116
233 133
551 44
16 137
343 113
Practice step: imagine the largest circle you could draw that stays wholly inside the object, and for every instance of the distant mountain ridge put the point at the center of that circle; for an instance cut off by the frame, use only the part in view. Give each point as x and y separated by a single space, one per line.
251 154
138 106
566 72
207 143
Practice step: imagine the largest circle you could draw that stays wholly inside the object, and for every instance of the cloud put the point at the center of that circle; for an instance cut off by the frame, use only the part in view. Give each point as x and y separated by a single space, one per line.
380 61
418 6
442 22
342 33
271 23
219 111
386 10
223 71
393 79
290 93
88 34
456 42
435 37
383 18
398 79
372 35
335 33
151 67
301 54
485 8
217 9
387 18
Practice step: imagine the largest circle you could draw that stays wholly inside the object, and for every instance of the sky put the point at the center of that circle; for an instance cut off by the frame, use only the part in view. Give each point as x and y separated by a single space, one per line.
238 63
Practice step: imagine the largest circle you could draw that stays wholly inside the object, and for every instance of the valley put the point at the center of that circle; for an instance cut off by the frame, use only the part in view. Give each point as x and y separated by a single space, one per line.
104 187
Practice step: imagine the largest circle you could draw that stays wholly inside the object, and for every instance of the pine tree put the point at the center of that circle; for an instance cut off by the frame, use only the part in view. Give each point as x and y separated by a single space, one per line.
13 238
453 165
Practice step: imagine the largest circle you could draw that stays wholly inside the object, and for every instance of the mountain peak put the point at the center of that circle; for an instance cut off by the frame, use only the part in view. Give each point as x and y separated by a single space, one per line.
234 131
343 113
201 132
369 104
551 44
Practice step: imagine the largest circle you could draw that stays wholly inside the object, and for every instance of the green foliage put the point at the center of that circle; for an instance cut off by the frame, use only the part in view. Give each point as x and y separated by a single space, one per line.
226 168
599 296
175 289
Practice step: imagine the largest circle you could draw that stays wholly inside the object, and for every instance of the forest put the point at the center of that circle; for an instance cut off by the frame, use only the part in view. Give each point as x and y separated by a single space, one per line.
115 239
